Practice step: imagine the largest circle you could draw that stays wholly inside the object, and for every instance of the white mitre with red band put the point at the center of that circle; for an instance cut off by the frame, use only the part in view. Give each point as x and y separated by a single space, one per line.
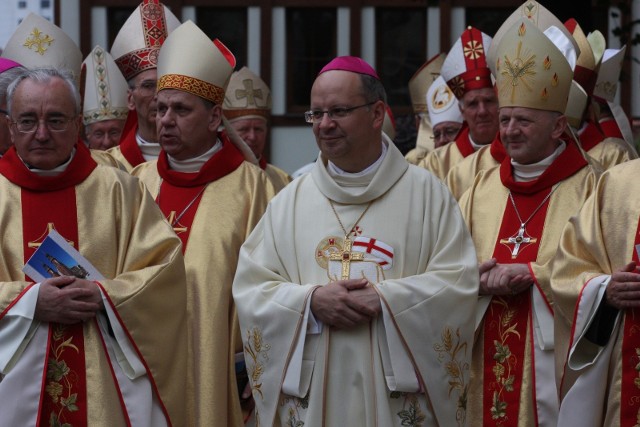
39 43
135 48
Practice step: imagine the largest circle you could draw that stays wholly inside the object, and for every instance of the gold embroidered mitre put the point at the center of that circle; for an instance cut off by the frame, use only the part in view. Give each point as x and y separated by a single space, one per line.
530 70
135 48
608 74
189 61
442 103
247 97
466 67
422 79
39 43
104 89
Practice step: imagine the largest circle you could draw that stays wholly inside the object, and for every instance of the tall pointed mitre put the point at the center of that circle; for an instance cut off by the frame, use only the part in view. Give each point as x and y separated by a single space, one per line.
247 97
535 13
104 89
422 79
135 48
609 74
531 71
39 43
465 67
576 105
586 65
442 104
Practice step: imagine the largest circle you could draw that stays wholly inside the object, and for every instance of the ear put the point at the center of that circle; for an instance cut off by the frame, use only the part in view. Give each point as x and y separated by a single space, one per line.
215 118
559 126
12 129
130 103
379 110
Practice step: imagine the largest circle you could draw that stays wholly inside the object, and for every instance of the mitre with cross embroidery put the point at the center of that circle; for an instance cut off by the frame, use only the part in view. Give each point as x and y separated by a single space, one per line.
247 97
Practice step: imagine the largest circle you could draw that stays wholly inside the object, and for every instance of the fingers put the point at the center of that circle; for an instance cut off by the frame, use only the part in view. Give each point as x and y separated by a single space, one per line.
353 284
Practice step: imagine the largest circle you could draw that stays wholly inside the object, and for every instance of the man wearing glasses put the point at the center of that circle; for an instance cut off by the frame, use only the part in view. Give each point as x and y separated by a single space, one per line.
76 351
135 50
355 290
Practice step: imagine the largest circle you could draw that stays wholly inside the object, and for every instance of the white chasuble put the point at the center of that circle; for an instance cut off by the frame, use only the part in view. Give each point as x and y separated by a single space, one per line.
410 365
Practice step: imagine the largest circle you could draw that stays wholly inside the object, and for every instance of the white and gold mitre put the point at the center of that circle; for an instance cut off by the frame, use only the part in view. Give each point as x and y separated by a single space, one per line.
135 48
608 74
247 97
576 105
189 61
442 103
530 70
422 79
535 13
104 89
39 43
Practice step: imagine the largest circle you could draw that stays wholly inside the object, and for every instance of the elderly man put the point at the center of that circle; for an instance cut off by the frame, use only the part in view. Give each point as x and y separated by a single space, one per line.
74 351
213 198
542 182
135 50
8 72
355 290
466 72
444 113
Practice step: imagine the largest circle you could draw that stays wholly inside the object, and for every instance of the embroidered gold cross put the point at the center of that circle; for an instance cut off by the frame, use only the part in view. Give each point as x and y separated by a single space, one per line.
173 222
38 242
248 92
518 240
38 40
346 257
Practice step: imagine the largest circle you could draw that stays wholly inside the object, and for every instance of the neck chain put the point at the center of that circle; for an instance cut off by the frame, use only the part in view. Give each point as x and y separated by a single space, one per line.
346 256
175 220
521 237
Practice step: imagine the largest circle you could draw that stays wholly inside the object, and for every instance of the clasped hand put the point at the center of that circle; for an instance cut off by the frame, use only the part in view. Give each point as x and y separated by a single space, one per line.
623 290
68 300
344 304
503 279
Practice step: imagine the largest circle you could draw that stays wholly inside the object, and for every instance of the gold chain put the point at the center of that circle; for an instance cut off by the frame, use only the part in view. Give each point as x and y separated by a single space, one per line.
346 235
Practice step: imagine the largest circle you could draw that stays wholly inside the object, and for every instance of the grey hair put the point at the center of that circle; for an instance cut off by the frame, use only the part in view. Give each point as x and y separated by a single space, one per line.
44 75
6 77
372 88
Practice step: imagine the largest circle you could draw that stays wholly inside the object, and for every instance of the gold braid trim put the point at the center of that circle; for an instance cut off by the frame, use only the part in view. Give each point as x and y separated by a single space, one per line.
198 87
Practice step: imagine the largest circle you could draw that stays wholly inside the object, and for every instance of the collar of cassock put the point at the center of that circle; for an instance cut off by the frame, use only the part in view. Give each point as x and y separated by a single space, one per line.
80 167
566 164
222 163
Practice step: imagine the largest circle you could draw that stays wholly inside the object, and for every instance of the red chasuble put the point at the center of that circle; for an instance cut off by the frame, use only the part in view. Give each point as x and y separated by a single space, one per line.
48 203
128 144
506 320
463 143
181 192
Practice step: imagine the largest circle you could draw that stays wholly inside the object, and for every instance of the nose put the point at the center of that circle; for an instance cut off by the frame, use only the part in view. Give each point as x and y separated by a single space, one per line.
166 118
42 133
326 121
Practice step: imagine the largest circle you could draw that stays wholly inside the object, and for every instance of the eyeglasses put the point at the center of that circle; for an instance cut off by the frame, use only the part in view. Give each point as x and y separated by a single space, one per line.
448 133
147 87
315 116
53 124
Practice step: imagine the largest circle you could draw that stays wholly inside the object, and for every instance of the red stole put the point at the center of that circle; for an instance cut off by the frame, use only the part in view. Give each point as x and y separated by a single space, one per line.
497 150
506 321
590 136
463 143
610 128
262 162
180 193
629 393
128 143
47 203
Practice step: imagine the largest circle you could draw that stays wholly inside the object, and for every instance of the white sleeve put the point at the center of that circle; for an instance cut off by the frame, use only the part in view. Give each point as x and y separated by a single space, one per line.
17 327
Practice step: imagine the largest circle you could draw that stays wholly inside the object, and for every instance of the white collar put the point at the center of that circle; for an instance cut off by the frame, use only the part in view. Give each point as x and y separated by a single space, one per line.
196 163
52 172
524 173
336 171
149 150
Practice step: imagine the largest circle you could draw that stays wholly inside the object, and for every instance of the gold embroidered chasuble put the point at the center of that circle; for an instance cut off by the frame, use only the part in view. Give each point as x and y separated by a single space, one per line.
227 211
277 176
601 239
124 235
485 206
440 161
461 175
612 151
415 155
426 275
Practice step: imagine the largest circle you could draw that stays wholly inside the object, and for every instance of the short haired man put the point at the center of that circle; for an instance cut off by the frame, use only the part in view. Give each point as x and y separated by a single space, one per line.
8 72
347 268
75 351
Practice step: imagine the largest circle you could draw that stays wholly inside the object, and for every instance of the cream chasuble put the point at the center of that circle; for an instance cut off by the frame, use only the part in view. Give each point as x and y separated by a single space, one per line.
127 152
234 197
440 161
461 175
123 234
513 352
407 367
599 383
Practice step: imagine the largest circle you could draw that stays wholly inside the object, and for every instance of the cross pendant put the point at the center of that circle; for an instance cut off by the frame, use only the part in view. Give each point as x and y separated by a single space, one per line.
174 223
518 240
345 256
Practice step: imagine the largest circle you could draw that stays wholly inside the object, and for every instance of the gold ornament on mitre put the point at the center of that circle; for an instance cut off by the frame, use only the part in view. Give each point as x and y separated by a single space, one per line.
247 97
442 104
536 14
136 47
104 89
422 79
39 43
531 71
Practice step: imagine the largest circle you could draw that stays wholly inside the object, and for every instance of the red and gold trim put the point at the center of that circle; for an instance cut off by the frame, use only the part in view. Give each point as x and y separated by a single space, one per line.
234 114
192 85
137 61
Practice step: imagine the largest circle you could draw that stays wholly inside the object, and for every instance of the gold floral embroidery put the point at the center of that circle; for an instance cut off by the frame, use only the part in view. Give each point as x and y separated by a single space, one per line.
505 361
411 414
60 384
637 384
258 351
449 353
294 406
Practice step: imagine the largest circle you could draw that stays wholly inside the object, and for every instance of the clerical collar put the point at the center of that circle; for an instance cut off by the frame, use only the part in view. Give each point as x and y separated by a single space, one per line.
149 150
335 171
51 172
525 173
475 146
196 163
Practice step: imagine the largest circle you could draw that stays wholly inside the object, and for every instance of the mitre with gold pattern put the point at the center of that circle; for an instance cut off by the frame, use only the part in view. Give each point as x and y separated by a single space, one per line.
422 79
247 97
442 104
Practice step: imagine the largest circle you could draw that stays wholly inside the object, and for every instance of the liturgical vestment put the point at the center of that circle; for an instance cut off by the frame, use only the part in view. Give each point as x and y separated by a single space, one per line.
461 176
598 381
277 176
440 161
607 151
127 152
409 366
124 367
513 353
212 211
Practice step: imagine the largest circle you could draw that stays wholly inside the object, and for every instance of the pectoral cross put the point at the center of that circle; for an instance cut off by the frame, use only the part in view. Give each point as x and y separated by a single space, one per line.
518 240
346 257
173 222
37 243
